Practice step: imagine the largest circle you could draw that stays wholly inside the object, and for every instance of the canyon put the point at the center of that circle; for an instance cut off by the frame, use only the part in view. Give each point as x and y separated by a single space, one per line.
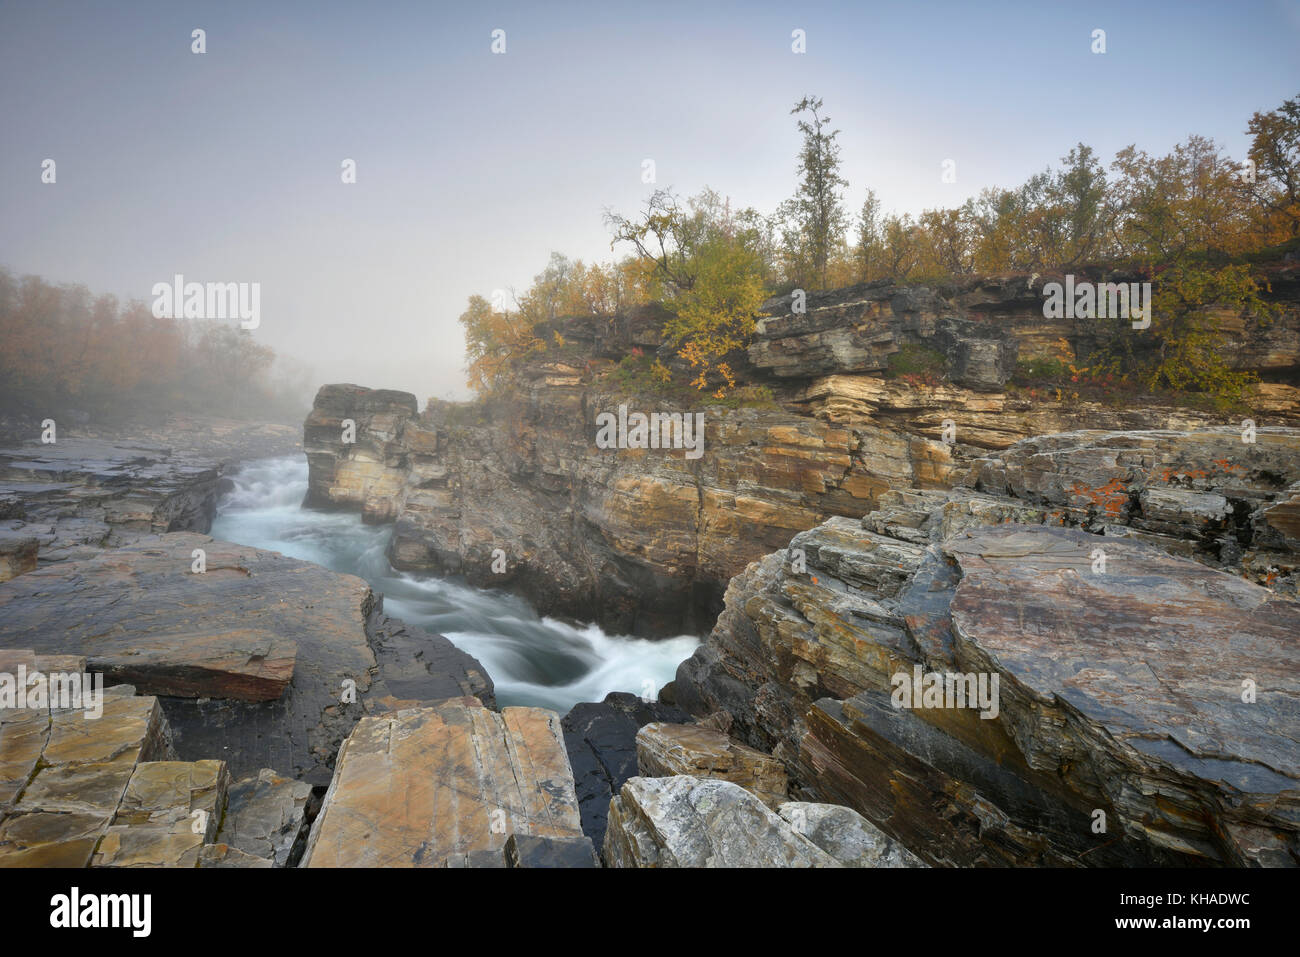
1126 573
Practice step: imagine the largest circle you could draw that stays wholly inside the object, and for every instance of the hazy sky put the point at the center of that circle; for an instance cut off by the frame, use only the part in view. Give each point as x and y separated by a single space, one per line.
472 167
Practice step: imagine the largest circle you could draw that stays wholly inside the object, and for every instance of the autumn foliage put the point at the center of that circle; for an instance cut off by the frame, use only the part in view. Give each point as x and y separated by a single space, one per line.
61 347
1193 221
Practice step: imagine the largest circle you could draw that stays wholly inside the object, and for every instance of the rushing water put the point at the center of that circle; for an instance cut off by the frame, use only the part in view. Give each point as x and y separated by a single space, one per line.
532 660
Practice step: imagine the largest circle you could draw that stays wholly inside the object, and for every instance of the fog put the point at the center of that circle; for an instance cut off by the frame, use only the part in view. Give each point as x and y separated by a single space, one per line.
471 167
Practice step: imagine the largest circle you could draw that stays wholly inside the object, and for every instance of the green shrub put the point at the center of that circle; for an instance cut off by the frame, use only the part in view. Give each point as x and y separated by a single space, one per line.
917 361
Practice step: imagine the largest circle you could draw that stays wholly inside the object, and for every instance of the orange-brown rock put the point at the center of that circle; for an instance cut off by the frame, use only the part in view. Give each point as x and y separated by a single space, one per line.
664 750
427 786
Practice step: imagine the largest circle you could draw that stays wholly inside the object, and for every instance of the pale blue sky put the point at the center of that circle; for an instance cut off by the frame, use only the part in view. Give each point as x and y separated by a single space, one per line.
472 167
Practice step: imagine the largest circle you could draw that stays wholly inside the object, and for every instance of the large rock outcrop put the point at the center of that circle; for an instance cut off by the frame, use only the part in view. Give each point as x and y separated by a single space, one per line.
981 324
352 440
1145 707
518 495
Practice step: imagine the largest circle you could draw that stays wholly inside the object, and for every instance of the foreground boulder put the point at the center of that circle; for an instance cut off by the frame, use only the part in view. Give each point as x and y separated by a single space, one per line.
846 835
94 782
687 821
265 817
445 785
665 750
267 661
1144 711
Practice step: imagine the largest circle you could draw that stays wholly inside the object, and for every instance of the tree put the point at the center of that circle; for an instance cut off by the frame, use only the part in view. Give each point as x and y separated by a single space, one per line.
1182 350
1188 200
869 251
816 214
706 264
1275 151
495 342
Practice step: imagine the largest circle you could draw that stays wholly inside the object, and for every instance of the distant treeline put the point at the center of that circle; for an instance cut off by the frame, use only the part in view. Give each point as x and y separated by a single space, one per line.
62 348
1195 217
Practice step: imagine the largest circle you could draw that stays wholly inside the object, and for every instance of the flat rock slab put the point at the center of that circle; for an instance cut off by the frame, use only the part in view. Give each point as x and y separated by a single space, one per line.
665 750
255 626
264 661
426 787
530 850
1155 650
686 821
265 816
169 811
141 615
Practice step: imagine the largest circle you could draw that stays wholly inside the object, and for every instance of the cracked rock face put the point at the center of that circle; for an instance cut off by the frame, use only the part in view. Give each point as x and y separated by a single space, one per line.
445 786
664 750
846 835
645 540
265 816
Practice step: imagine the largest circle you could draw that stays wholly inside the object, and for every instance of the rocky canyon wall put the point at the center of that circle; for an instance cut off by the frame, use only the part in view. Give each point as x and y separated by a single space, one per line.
516 493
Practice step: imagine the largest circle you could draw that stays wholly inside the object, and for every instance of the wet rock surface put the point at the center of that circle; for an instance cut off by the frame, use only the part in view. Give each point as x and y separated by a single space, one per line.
600 738
265 817
95 488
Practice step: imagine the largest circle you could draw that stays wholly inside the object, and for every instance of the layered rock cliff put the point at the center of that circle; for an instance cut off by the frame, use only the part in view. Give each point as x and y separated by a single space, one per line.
517 493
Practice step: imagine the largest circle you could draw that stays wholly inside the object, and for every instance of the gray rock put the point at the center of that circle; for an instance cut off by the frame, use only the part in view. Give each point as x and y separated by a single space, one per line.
600 738
265 816
686 821
846 835
530 850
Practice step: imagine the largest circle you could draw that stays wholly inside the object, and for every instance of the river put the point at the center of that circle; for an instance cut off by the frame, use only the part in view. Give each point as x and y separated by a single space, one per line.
533 660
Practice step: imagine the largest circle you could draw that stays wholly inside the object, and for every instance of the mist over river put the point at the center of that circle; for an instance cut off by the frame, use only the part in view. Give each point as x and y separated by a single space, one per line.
532 660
